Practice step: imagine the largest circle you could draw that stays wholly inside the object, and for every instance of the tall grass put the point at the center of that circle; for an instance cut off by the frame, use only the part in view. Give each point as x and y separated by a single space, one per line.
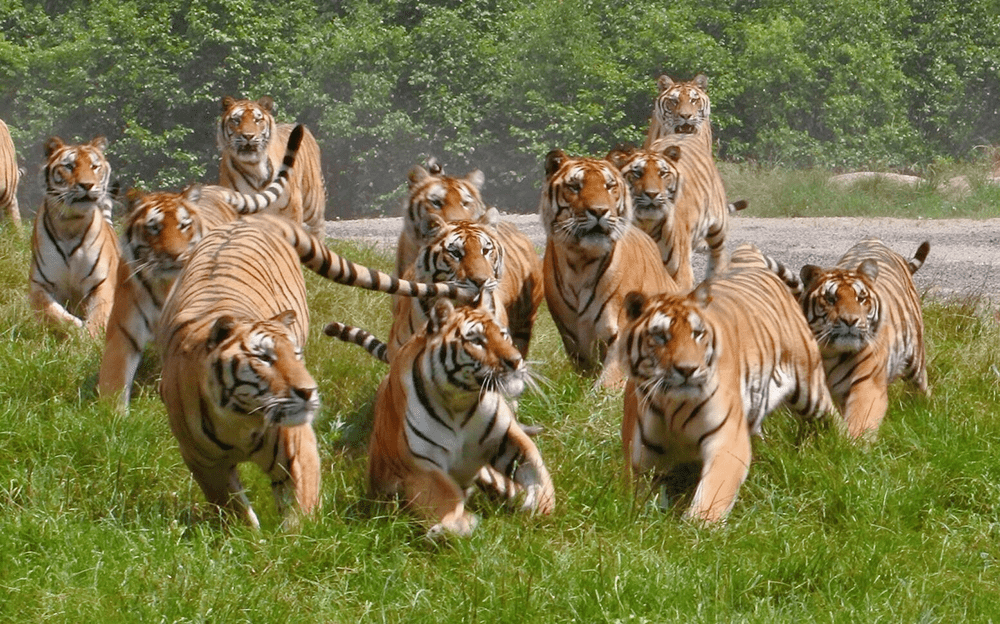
101 522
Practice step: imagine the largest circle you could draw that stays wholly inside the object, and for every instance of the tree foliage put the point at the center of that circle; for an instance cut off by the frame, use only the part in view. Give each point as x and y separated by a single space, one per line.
495 84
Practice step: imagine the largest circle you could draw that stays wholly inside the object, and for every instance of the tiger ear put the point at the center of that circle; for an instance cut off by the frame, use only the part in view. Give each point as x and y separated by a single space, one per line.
702 81
221 330
664 82
476 178
672 153
99 142
439 315
133 196
553 160
416 175
703 293
433 166
52 145
227 102
617 157
267 103
491 217
192 193
809 274
286 318
634 302
869 268
430 225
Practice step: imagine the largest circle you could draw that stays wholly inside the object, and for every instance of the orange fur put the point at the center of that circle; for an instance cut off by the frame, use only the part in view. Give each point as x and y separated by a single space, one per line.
9 176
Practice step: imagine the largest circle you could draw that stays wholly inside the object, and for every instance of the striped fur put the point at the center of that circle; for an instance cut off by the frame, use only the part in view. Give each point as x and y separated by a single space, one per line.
361 337
441 417
866 315
747 255
434 193
251 143
230 339
489 255
705 368
9 176
74 248
160 229
681 108
593 258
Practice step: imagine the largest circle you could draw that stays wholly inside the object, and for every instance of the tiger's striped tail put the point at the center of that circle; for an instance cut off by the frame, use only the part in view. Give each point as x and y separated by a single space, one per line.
248 204
739 204
315 255
786 275
918 258
361 337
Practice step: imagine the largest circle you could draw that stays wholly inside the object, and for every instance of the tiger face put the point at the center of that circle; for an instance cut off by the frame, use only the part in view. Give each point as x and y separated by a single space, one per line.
77 176
653 180
841 306
447 197
159 230
477 353
465 253
256 370
586 203
246 127
670 346
683 107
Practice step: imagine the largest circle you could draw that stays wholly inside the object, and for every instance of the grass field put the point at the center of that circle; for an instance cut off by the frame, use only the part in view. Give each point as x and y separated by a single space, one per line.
101 522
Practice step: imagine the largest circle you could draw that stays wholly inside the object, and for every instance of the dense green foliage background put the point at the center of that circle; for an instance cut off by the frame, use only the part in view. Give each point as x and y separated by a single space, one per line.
494 84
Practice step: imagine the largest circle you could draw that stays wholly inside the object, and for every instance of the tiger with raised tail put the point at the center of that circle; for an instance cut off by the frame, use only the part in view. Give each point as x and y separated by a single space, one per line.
160 228
230 338
251 143
594 256
866 315
705 368
431 192
441 417
9 176
74 248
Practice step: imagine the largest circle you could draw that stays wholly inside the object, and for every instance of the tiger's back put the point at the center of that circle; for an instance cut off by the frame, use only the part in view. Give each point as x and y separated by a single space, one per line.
9 176
705 368
866 315
75 254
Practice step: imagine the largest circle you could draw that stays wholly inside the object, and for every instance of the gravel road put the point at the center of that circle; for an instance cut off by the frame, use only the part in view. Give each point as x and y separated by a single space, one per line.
964 257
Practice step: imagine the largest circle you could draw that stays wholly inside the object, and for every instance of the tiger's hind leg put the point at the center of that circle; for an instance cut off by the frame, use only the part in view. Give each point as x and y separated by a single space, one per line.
718 258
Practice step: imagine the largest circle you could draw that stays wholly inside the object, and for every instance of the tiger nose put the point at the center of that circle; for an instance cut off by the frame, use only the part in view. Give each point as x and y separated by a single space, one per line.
686 370
306 394
86 185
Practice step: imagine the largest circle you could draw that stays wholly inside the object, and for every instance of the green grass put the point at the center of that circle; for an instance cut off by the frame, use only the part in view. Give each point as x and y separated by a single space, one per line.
777 192
100 520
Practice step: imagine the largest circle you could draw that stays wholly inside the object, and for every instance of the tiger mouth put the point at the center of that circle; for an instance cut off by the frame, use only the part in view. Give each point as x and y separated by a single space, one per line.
687 128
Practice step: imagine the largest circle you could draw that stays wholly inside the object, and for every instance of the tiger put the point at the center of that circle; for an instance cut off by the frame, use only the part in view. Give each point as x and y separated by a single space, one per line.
9 176
159 229
74 248
431 192
251 143
661 207
593 257
487 254
230 339
704 368
681 108
866 316
441 417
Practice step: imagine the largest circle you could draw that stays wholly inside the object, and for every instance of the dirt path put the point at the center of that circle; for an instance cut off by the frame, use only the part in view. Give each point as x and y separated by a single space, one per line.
964 257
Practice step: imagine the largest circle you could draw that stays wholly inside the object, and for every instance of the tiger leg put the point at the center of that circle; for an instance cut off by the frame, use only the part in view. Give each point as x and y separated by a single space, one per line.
436 498
99 305
50 311
718 258
865 407
531 474
222 487
679 262
612 373
124 342
725 464
295 472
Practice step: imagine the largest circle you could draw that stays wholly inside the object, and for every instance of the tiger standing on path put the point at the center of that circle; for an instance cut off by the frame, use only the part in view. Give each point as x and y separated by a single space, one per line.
252 144
74 248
